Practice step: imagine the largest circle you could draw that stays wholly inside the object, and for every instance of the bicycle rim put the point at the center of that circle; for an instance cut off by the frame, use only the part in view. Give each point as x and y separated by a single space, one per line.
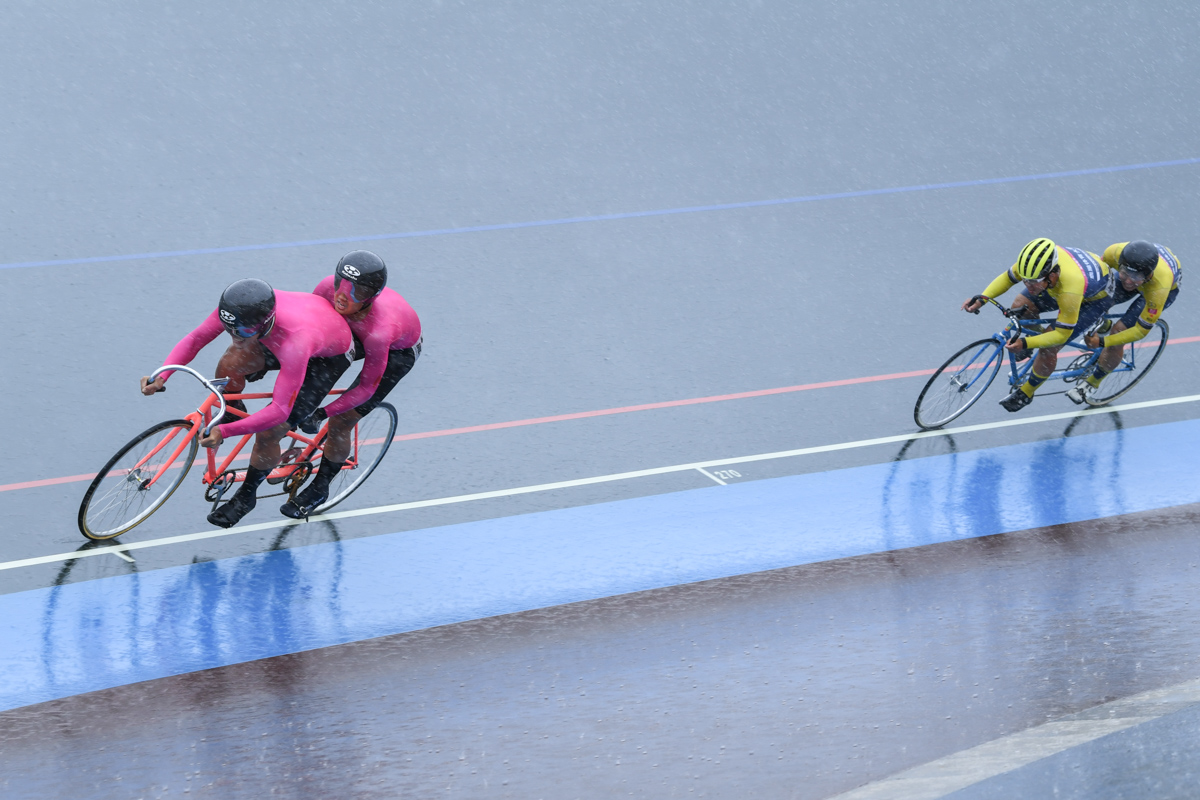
958 383
375 432
1135 363
116 500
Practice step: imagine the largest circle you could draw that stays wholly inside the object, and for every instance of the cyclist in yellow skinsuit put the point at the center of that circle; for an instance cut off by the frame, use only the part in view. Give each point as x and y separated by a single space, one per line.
1076 283
1151 274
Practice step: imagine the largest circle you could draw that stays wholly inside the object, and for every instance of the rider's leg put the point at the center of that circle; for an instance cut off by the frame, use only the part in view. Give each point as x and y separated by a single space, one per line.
1043 367
1026 305
265 455
333 458
340 428
337 443
1031 308
240 359
1110 357
263 459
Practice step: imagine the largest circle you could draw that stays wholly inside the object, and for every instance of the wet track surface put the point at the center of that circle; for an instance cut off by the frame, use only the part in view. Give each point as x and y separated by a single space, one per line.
800 682
169 131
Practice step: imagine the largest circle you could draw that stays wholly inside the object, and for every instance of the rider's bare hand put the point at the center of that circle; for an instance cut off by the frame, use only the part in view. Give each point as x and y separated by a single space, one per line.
1016 345
1092 340
214 437
150 387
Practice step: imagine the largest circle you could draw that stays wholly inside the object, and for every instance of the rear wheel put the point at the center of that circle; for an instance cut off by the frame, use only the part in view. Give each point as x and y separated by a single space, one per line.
122 495
373 434
1138 359
958 383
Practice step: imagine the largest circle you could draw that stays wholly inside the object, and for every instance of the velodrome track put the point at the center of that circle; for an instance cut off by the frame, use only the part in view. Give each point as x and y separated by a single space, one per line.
656 523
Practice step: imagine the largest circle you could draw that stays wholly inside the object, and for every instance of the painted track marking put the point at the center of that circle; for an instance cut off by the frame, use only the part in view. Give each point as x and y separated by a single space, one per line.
620 476
965 768
662 212
495 426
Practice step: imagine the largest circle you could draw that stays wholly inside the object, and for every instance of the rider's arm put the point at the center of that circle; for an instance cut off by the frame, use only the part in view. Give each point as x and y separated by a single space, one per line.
374 365
1003 282
194 342
1156 298
1068 315
283 397
1112 255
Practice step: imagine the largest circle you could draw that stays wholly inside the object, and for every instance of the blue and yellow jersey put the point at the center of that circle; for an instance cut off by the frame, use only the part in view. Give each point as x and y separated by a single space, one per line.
1166 277
1083 277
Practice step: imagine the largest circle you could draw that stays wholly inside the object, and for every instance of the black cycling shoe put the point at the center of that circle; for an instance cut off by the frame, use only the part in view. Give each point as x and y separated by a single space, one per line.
305 502
1016 400
232 512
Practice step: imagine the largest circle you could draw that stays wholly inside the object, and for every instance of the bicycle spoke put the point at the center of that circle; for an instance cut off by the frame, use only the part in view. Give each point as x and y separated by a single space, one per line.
958 384
121 495
1133 367
373 437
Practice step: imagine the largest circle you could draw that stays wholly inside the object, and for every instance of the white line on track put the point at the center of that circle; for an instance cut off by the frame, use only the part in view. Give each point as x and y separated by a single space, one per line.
703 471
968 767
619 476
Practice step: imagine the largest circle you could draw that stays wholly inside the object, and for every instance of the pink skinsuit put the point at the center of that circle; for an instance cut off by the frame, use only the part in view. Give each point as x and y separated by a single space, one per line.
305 327
391 324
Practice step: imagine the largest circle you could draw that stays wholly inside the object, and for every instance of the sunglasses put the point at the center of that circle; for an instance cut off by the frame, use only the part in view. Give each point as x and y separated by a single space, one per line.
359 294
1135 278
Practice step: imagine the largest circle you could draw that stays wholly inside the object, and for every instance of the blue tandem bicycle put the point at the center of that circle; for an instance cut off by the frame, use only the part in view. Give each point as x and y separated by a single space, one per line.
966 375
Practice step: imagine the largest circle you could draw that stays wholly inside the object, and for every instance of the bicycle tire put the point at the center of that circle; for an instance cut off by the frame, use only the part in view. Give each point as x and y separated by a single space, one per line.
1120 381
944 391
96 528
378 429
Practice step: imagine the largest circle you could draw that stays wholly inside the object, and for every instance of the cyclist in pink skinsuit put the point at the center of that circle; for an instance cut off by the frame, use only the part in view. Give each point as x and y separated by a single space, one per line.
388 334
298 334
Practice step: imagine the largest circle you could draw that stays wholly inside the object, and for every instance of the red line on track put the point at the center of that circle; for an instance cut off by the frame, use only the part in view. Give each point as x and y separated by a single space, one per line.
494 426
668 404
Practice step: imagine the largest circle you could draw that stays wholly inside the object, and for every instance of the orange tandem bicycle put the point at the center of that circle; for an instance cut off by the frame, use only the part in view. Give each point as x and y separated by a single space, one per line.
144 474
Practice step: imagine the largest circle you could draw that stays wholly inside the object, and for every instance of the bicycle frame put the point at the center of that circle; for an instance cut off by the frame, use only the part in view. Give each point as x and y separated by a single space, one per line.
1077 369
311 445
202 420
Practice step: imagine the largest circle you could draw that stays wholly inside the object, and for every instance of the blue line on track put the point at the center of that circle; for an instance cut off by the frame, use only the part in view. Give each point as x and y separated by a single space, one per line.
95 634
508 226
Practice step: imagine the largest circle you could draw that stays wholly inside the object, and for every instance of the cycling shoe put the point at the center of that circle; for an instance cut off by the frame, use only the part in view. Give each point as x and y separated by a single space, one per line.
232 512
305 503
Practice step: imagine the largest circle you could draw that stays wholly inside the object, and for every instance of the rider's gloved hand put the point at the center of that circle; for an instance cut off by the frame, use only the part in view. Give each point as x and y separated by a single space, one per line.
974 304
312 424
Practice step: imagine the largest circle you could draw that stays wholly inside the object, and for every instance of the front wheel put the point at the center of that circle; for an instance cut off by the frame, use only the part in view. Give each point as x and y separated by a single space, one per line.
373 437
958 383
133 484
1136 361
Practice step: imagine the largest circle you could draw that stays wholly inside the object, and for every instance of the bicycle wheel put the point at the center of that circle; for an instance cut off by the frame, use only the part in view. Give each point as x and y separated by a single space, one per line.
375 432
118 498
1135 363
958 383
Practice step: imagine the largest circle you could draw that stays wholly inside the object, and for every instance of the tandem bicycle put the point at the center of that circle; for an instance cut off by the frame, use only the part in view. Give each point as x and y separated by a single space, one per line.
144 473
966 375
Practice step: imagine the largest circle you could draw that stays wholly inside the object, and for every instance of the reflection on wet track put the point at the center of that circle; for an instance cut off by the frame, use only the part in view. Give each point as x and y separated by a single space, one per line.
802 682
136 627
639 207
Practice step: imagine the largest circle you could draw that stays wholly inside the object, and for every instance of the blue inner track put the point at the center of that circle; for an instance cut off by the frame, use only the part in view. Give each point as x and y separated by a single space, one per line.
107 632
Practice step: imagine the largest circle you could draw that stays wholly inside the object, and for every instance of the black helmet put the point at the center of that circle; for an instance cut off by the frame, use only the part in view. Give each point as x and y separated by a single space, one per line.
1139 257
365 270
247 307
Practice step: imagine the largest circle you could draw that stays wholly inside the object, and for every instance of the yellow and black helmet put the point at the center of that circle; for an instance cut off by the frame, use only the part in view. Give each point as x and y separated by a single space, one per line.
1036 260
